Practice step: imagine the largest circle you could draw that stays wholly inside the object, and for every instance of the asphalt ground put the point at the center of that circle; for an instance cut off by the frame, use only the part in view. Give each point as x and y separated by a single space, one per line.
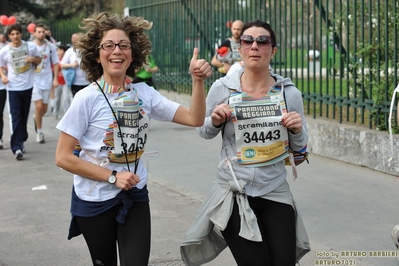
35 202
348 210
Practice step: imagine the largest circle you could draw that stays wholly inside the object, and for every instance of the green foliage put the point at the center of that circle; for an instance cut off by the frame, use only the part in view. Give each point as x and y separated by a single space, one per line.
375 54
52 11
63 16
63 29
298 58
66 9
26 6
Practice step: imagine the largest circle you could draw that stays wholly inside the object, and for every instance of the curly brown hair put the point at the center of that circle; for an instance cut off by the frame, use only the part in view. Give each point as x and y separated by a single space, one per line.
95 27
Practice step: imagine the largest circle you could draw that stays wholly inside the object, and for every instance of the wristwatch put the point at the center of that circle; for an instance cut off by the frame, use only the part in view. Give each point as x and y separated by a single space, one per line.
112 177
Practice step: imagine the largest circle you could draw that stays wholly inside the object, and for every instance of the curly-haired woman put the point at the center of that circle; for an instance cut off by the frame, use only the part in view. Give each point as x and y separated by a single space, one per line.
110 204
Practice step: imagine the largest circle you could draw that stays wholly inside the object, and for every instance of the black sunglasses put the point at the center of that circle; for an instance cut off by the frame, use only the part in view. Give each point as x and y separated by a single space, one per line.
263 41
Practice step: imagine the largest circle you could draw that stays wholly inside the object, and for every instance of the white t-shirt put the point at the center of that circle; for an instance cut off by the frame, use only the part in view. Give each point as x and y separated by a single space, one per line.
43 72
2 86
88 119
70 57
19 81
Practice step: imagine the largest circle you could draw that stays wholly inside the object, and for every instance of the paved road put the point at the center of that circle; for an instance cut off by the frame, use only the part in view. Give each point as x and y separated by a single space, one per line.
345 208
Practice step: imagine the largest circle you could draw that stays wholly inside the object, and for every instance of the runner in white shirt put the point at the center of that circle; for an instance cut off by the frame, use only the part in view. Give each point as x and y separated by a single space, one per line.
3 98
72 59
44 80
19 57
3 95
3 40
110 204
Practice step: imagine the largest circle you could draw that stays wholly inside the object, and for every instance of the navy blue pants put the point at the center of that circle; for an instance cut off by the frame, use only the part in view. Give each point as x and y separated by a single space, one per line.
19 109
3 98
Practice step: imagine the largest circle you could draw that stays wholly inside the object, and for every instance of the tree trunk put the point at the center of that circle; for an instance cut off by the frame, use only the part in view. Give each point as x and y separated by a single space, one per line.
97 6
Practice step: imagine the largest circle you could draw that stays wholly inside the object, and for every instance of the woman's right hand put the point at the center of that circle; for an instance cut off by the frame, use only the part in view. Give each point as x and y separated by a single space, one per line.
220 114
126 180
4 80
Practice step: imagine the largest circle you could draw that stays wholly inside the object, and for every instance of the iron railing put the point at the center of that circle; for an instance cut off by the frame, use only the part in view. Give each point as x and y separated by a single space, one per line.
351 81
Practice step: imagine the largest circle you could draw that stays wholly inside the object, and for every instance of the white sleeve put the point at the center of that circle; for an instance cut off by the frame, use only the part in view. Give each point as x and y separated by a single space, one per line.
54 55
80 107
33 51
66 57
235 67
2 60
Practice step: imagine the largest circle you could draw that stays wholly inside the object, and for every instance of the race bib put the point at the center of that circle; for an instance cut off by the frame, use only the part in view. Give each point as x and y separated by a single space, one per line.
130 132
261 139
18 59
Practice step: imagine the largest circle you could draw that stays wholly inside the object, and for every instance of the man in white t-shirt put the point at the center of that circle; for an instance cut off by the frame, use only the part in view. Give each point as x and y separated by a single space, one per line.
19 57
3 40
71 59
3 94
3 98
44 80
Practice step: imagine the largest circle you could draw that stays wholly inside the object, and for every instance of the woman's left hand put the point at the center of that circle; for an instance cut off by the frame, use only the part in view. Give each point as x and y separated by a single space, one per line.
293 121
199 68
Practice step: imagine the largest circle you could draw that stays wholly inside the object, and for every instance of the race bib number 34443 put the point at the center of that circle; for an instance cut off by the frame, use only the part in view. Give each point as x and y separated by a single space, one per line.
261 138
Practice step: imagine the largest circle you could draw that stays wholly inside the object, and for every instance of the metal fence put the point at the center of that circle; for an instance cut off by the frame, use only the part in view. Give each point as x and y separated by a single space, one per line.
351 81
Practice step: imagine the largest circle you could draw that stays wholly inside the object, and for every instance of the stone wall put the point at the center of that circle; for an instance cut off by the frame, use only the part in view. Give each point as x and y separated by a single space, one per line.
353 144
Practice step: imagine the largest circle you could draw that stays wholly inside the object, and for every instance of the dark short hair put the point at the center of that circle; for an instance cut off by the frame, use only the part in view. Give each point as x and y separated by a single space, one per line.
261 24
62 47
40 26
16 27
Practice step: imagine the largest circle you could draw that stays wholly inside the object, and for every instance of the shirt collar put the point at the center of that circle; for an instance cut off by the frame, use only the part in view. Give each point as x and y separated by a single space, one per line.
109 88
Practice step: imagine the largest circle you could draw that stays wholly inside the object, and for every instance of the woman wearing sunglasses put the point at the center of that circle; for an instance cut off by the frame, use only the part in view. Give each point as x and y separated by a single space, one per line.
250 208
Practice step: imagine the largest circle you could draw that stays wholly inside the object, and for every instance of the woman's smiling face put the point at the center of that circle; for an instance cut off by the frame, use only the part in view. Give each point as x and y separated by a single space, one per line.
115 61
